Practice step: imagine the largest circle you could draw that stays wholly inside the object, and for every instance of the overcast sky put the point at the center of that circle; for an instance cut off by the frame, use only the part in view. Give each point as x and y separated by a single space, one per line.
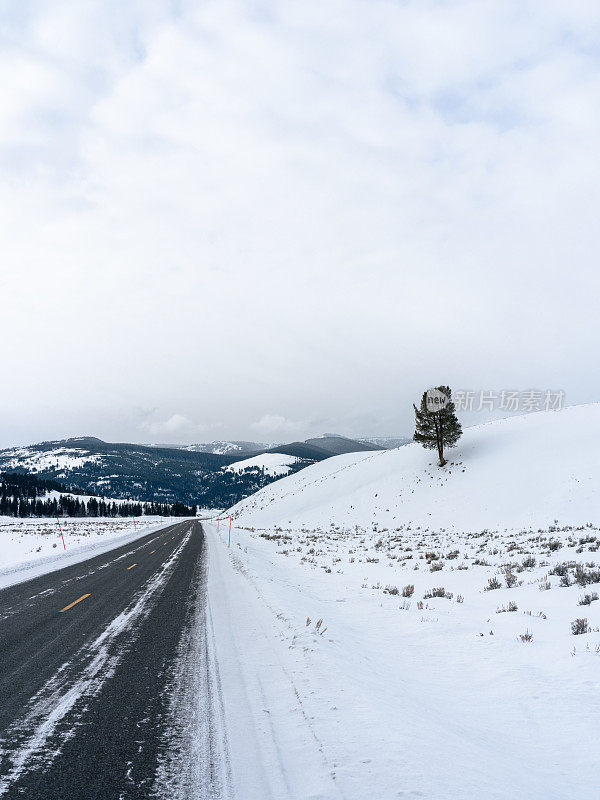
267 220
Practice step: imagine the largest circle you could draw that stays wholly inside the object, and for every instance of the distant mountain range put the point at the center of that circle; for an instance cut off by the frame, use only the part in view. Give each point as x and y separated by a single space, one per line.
239 448
192 474
387 442
326 445
323 447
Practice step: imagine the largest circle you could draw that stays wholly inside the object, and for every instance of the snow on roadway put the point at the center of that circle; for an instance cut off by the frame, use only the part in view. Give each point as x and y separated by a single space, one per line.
473 684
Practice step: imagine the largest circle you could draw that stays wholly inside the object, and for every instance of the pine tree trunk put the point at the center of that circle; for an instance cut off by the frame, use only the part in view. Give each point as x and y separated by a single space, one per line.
441 455
439 435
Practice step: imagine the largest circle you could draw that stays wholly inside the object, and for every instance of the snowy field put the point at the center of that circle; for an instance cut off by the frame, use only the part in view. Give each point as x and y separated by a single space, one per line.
457 690
32 546
384 657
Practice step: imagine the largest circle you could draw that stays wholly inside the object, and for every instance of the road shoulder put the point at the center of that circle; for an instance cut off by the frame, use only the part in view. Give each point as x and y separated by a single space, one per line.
275 752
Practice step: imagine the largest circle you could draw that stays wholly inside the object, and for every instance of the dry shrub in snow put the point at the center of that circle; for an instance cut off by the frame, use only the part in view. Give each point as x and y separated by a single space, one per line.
510 578
493 583
579 625
439 592
587 574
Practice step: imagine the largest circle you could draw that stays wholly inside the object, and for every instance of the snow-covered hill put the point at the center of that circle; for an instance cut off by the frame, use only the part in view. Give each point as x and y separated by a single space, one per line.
436 628
520 472
60 459
270 463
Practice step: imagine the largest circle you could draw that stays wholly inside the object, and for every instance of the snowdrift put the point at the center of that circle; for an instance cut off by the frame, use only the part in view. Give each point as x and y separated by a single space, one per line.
531 471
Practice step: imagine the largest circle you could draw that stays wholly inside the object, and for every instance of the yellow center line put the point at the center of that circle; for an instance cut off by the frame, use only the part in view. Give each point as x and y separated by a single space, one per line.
152 551
74 603
132 566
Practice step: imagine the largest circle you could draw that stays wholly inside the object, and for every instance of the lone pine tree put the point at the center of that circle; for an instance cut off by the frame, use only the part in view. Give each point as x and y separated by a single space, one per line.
437 426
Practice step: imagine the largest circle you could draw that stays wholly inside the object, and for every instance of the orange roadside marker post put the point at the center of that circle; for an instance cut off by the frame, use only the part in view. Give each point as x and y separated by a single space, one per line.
61 534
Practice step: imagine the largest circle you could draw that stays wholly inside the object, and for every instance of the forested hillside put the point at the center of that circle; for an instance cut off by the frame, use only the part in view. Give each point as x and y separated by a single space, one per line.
30 496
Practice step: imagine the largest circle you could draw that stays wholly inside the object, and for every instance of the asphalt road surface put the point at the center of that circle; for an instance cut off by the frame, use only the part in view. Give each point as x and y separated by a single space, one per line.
101 666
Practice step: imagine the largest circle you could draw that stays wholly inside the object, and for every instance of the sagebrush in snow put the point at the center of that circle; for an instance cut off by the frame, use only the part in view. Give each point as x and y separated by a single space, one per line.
579 626
493 583
510 578
439 592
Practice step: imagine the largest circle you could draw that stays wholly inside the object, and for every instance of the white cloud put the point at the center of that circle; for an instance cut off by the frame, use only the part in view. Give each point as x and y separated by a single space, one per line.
208 207
277 425
177 422
174 429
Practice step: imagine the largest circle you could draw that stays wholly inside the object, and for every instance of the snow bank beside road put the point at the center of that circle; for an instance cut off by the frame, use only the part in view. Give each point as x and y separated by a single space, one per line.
273 750
31 547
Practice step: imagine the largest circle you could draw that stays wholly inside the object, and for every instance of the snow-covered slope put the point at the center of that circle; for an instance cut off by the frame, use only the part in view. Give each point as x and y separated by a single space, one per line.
34 460
270 463
434 631
520 472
